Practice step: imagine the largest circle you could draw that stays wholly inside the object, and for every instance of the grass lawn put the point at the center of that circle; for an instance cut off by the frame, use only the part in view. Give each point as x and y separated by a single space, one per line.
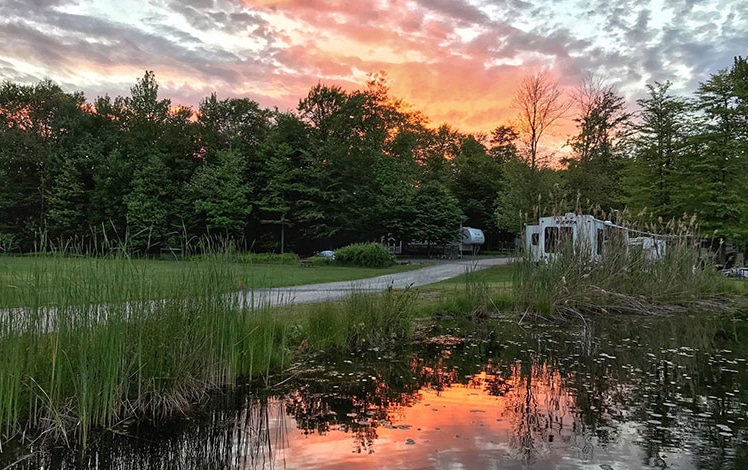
495 277
488 288
35 280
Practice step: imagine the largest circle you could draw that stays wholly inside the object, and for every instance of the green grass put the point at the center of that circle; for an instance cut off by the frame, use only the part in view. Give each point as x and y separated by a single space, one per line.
474 293
495 277
49 280
106 353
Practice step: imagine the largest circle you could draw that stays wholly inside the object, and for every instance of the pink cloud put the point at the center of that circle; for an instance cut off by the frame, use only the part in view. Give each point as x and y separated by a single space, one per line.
450 81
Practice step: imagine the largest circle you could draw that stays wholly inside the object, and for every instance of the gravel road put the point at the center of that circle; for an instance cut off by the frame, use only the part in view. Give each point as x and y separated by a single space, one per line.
337 290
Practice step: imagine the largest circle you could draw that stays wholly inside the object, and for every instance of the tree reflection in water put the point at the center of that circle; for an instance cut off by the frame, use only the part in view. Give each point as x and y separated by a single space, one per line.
529 405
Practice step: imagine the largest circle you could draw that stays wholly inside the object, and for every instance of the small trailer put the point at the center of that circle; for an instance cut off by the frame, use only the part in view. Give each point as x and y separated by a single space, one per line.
585 234
471 239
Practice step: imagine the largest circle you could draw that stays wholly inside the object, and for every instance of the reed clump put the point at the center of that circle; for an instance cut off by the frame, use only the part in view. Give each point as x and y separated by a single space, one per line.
81 364
624 278
360 321
477 294
95 343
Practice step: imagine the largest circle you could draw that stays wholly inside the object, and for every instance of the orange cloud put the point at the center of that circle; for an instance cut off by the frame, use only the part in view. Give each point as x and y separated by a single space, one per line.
429 64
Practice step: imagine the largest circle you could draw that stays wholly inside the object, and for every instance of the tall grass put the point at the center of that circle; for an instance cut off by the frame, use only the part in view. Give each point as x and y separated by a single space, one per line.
362 320
477 294
99 342
625 279
83 364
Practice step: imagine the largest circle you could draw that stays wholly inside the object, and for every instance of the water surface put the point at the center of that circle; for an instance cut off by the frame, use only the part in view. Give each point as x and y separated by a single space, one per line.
614 393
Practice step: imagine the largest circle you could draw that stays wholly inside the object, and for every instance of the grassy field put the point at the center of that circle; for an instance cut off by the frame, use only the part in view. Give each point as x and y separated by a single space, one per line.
50 280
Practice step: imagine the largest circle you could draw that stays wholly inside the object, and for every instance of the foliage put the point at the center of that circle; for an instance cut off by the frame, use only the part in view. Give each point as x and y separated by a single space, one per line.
220 195
655 176
366 255
477 182
352 165
717 166
437 215
526 194
593 174
269 258
148 204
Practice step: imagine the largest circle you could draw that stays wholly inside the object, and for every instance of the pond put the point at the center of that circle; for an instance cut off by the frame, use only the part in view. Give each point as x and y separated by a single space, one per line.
614 393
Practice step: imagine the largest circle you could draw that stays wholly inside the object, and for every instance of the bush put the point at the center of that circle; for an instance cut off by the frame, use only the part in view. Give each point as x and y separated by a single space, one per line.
365 255
320 261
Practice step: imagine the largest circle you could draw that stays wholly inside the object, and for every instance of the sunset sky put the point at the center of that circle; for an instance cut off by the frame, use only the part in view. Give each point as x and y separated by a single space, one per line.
458 61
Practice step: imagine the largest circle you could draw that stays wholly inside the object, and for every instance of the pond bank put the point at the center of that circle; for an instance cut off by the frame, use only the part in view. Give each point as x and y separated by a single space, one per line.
69 372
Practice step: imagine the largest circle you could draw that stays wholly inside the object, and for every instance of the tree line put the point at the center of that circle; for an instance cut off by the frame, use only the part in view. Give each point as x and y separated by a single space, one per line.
350 166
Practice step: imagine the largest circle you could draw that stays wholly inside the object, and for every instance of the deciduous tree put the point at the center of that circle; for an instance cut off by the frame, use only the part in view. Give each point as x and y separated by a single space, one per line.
540 104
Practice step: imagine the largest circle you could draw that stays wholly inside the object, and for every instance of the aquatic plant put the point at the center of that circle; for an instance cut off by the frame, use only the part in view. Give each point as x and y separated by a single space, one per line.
99 342
82 364
361 320
379 319
476 294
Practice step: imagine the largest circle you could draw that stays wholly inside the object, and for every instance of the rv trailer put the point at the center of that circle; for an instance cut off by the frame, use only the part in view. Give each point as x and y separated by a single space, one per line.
586 235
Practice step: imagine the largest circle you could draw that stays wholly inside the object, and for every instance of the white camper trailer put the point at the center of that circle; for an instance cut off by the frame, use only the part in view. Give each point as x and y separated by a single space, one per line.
471 239
472 236
585 234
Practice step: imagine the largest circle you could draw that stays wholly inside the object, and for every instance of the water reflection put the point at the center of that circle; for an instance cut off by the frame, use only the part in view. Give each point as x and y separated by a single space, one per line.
640 393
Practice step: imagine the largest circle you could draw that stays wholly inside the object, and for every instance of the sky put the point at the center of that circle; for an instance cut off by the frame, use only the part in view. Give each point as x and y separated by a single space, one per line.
457 61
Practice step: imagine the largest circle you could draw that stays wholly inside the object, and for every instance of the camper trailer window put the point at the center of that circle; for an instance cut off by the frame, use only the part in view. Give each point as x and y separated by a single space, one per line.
535 239
551 239
567 235
554 236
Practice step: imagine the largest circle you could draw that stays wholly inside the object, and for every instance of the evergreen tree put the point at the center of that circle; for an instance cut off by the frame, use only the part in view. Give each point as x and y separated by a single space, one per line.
437 215
655 174
148 205
717 165
220 195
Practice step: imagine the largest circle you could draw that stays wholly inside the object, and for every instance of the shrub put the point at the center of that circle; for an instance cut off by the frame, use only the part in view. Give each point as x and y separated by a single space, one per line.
320 261
365 255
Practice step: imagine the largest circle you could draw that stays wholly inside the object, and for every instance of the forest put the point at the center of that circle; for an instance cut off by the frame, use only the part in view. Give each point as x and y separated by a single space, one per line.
143 173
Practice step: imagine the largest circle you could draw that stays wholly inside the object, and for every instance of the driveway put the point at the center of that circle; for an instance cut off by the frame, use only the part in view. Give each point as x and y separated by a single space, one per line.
337 290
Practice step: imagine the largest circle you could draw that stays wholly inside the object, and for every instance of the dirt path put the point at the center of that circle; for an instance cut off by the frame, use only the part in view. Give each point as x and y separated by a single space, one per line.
336 290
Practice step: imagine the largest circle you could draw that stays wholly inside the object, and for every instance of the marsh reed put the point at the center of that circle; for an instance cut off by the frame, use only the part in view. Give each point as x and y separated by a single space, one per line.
80 364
